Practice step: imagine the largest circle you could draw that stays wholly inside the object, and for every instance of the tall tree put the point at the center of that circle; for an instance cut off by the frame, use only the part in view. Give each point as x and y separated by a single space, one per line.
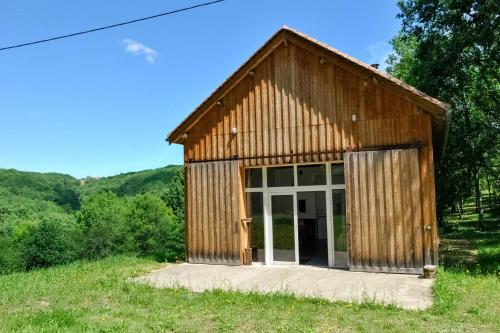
450 50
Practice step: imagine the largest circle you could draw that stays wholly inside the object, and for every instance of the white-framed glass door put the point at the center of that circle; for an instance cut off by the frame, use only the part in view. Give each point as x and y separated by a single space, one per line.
282 229
282 187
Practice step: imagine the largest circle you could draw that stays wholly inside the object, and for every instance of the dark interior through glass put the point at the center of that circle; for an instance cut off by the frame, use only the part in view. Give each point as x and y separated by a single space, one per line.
338 174
253 177
280 176
313 245
311 174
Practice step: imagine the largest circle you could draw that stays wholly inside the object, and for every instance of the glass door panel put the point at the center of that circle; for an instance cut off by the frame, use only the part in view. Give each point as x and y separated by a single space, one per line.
312 224
283 228
255 210
339 228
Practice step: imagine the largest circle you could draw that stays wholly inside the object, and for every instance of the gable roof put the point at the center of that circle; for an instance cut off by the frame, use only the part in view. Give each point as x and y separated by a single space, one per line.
436 108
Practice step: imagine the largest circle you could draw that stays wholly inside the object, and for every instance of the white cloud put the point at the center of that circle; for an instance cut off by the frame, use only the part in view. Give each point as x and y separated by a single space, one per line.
137 48
379 53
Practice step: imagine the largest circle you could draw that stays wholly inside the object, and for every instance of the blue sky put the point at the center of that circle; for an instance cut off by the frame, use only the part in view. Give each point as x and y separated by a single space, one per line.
102 104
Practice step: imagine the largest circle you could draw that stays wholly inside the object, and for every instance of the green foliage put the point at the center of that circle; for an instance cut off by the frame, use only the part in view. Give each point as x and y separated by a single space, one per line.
102 218
58 188
449 49
465 248
50 219
11 259
15 208
173 196
53 241
141 224
403 60
155 230
132 183
19 217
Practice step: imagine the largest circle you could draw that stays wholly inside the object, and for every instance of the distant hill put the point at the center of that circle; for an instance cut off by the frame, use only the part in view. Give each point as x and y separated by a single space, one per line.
132 183
66 191
59 188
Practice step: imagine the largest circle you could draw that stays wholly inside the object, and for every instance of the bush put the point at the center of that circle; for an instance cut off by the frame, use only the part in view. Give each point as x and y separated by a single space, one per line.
170 241
102 218
140 225
154 228
53 241
174 195
10 255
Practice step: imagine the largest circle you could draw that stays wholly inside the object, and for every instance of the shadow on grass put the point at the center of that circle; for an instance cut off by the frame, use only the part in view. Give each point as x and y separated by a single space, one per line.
465 246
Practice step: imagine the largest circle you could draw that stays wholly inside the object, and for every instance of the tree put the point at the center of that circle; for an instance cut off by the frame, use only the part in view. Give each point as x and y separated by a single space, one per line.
450 50
174 195
154 228
53 241
103 220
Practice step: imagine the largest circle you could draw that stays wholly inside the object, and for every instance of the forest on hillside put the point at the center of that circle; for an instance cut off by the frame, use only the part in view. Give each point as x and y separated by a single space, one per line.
48 219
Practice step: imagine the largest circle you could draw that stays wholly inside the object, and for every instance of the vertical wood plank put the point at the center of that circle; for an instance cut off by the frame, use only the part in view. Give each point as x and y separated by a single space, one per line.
284 101
396 173
278 105
217 209
389 211
188 202
372 201
364 222
381 226
205 226
291 95
351 252
224 208
235 204
407 212
416 207
265 111
211 214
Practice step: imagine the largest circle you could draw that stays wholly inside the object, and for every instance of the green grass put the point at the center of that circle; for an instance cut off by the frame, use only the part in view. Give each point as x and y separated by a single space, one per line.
468 247
96 297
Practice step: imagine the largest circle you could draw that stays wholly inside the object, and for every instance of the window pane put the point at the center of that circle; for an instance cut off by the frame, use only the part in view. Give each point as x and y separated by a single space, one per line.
255 210
339 227
311 174
281 176
283 228
338 174
253 177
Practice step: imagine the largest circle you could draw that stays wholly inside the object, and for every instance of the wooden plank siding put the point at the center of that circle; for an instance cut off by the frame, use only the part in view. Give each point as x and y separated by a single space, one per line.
384 209
295 109
296 105
213 212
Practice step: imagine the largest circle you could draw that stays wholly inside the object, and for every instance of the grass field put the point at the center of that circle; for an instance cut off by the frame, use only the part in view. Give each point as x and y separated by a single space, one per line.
96 297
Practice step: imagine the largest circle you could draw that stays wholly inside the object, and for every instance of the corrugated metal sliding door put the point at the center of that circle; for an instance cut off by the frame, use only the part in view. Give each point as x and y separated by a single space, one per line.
384 211
213 212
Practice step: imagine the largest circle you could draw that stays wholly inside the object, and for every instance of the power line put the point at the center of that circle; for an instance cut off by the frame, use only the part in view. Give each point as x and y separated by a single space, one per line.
111 26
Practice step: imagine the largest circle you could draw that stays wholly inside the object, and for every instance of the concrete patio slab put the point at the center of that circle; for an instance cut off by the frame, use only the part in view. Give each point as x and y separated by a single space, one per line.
405 291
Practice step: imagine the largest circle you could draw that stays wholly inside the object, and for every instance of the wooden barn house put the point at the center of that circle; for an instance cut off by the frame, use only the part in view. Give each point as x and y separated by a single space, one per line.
306 155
